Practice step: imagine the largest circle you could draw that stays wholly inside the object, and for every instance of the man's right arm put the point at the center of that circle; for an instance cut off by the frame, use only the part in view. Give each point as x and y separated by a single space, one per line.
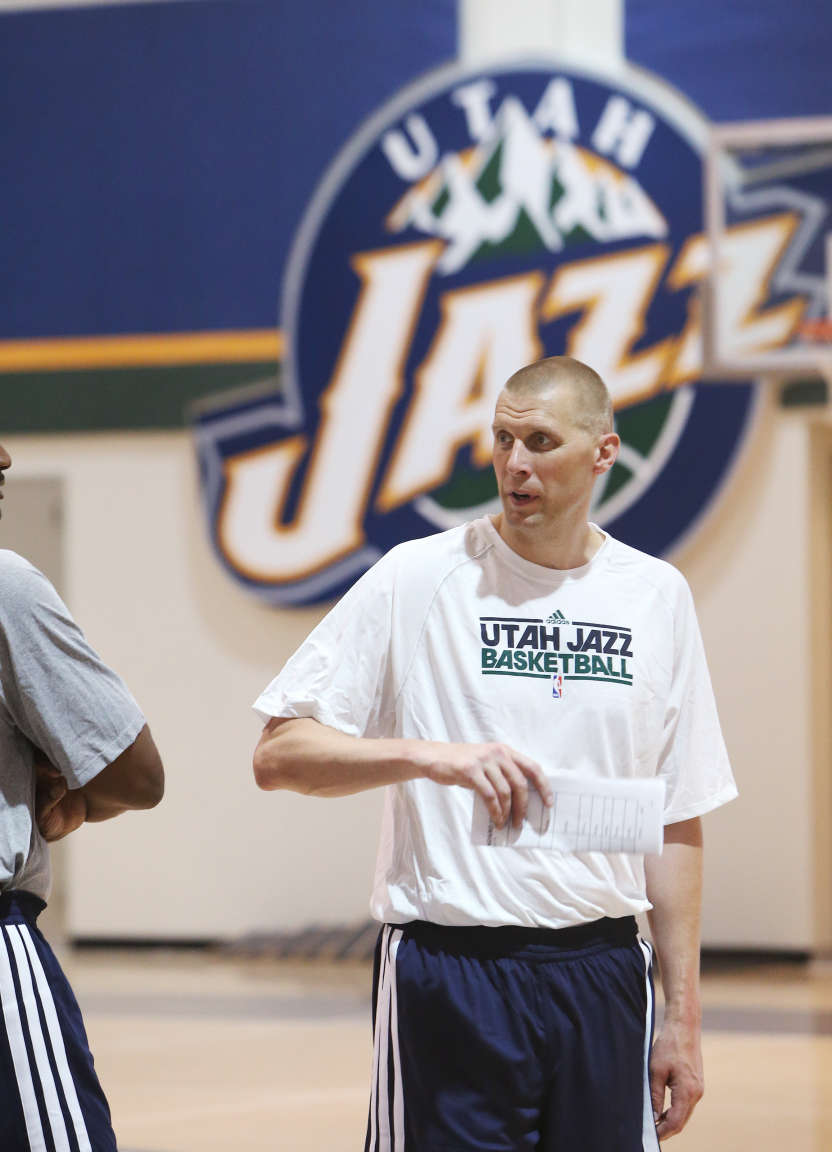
134 780
302 755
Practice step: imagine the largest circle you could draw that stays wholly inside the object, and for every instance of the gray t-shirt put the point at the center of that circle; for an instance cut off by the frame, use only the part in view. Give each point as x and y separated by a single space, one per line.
55 695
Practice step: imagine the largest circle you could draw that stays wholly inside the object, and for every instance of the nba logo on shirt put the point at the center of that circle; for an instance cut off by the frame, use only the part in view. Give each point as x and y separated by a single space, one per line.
557 686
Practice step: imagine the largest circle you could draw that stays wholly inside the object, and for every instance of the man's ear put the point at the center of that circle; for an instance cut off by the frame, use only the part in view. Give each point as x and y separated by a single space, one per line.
606 452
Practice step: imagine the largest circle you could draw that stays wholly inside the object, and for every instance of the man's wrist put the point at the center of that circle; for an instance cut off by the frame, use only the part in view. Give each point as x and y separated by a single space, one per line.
685 1010
415 759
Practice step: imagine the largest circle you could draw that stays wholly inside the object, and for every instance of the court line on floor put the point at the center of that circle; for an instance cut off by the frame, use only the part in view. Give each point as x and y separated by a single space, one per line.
793 1021
754 1020
235 1007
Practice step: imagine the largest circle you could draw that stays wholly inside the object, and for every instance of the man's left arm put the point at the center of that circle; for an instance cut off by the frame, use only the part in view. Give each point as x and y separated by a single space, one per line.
674 888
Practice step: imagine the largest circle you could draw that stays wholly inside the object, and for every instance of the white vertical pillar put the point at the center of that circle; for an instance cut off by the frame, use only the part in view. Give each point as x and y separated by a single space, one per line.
582 30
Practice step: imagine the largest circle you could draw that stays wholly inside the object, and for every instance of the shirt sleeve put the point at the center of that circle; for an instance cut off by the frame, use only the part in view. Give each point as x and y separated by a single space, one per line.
341 675
57 690
693 760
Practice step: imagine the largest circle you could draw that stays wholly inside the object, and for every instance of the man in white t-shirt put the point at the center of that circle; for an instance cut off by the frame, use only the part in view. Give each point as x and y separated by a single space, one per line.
513 996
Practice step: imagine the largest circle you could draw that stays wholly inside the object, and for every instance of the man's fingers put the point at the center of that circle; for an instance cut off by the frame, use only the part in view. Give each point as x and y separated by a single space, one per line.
502 791
56 790
50 794
519 793
521 771
658 1081
683 1100
50 818
511 786
675 1118
511 775
49 824
486 790
664 1129
63 817
535 774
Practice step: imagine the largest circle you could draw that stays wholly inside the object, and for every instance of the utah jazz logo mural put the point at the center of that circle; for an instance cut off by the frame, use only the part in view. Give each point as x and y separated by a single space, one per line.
476 223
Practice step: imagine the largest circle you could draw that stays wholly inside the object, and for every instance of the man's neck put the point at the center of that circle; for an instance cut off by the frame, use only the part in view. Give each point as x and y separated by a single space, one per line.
561 547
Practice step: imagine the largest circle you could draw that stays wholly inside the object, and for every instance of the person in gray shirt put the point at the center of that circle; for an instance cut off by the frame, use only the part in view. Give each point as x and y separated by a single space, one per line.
74 747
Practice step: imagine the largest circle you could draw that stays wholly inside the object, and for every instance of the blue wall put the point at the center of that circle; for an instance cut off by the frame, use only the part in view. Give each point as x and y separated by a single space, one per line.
158 157
738 59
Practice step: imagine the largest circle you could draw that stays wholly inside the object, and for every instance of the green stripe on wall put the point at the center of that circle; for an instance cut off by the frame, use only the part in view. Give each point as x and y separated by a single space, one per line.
117 398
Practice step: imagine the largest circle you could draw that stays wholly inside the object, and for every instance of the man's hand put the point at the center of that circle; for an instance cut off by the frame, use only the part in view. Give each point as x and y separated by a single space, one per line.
58 811
676 1065
496 772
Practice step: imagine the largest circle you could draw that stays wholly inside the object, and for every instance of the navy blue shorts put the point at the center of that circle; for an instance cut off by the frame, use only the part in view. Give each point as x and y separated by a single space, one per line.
50 1098
506 1039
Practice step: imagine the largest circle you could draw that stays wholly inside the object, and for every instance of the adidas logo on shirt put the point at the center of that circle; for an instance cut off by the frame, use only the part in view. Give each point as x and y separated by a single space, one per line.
557 617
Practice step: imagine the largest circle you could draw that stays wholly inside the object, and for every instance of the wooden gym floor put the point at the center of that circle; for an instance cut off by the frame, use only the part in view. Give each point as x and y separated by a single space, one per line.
201 1052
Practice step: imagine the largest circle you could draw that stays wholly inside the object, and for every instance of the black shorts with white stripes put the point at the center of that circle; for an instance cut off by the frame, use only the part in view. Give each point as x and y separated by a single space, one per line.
50 1097
506 1039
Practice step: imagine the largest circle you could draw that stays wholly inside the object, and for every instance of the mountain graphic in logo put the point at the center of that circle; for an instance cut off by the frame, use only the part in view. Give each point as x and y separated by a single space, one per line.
557 617
522 192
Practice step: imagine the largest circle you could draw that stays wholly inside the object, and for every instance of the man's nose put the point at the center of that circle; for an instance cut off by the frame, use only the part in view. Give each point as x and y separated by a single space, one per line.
5 458
518 460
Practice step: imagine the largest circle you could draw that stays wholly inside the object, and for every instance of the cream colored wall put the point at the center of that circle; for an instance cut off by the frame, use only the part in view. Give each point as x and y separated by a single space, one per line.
217 857
749 570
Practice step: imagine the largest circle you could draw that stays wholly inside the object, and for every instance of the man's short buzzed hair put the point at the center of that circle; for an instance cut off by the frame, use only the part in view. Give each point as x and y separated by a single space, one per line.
592 406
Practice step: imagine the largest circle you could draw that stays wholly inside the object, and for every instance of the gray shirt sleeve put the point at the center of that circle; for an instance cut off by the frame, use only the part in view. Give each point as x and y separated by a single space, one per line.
55 688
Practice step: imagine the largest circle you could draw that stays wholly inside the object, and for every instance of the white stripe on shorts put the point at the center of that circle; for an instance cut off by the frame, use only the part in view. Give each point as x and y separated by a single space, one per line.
398 1093
387 1038
20 1058
382 979
58 1048
47 1080
649 1139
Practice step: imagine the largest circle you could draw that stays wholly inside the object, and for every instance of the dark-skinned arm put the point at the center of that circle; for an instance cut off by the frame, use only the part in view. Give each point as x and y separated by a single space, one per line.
135 779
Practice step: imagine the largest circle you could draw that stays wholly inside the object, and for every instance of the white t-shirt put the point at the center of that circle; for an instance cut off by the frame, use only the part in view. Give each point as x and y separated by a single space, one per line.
598 670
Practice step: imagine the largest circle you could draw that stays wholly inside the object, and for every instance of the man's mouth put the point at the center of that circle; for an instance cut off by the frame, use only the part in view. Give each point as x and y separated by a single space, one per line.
521 498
